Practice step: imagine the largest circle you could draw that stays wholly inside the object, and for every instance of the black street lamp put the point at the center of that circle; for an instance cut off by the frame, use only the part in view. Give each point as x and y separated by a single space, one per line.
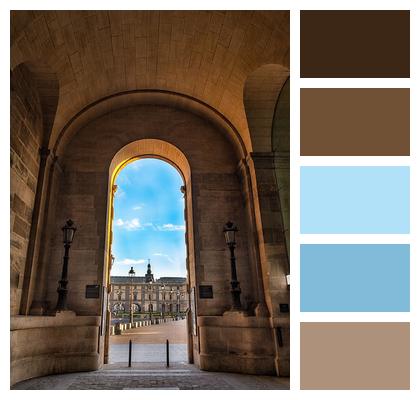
230 230
68 234
131 274
149 288
163 308
177 305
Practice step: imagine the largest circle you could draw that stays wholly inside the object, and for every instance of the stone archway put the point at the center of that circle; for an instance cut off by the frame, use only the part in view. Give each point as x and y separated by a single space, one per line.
217 190
201 92
151 148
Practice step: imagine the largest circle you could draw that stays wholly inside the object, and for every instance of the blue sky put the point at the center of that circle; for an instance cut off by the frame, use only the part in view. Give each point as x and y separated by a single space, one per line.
149 219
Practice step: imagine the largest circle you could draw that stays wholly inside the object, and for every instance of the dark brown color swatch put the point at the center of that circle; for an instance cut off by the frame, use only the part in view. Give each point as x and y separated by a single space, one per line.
355 355
355 44
355 122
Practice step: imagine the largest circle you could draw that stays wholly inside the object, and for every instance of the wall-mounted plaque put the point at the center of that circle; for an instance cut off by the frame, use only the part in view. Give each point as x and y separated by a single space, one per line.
284 308
205 291
92 291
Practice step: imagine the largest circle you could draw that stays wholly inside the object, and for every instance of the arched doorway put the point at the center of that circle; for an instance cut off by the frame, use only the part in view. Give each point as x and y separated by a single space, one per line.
154 300
148 206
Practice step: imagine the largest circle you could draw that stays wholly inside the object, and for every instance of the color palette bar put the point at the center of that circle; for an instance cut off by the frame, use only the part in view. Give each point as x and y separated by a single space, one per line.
355 199
350 355
370 275
355 278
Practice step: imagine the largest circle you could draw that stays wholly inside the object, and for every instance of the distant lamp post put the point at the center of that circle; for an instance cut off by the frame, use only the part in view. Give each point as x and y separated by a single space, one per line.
149 288
178 293
68 234
131 274
162 307
230 231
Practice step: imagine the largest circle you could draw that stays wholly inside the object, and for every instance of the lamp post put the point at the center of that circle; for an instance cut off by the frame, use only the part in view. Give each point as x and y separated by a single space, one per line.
171 292
131 274
163 308
177 305
230 230
149 288
68 234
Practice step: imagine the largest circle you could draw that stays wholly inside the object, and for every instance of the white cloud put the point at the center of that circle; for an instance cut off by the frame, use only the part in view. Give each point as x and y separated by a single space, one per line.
130 261
170 259
138 207
171 227
134 225
131 225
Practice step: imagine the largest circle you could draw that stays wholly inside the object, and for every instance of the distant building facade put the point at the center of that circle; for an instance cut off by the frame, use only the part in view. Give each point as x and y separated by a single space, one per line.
164 295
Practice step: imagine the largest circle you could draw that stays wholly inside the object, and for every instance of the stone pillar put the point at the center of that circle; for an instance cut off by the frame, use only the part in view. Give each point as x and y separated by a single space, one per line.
36 245
282 171
108 318
272 249
254 253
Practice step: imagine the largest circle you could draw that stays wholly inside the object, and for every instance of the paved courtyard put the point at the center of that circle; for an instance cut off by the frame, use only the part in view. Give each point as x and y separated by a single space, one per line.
149 343
145 353
174 331
179 376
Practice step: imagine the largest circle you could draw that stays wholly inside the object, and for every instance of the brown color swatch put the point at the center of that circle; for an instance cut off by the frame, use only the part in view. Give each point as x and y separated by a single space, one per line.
355 44
355 355
355 122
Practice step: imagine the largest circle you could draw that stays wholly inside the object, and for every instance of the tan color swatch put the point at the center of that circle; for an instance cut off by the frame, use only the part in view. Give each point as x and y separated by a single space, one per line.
355 122
355 355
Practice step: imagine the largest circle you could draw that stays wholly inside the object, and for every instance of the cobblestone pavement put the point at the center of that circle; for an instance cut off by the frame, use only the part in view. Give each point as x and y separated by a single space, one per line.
179 376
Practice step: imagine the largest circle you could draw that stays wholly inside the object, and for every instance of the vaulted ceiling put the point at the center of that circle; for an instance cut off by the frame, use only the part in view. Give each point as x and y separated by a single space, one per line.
207 55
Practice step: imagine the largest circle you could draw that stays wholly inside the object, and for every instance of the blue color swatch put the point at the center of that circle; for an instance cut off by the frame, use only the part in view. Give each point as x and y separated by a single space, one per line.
355 200
355 277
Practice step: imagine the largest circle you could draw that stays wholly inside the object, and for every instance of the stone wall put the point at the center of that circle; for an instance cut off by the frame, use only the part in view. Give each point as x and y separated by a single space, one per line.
25 143
53 345
216 192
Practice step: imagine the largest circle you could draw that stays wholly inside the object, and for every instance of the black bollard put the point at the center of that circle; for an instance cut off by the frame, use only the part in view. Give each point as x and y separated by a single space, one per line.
130 346
167 353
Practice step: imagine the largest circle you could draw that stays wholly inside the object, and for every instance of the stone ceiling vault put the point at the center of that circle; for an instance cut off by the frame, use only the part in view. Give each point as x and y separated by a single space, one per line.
207 55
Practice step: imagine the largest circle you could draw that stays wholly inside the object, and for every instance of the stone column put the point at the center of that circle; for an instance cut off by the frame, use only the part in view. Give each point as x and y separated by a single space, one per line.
282 171
270 231
254 253
272 249
36 243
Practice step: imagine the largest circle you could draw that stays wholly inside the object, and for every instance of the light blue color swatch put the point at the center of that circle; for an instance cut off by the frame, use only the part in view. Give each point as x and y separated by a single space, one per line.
355 277
355 200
